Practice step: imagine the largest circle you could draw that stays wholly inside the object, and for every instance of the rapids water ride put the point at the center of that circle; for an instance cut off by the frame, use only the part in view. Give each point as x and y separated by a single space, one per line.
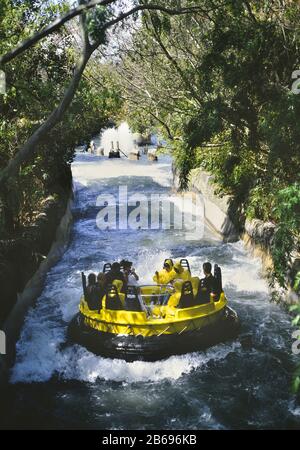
139 325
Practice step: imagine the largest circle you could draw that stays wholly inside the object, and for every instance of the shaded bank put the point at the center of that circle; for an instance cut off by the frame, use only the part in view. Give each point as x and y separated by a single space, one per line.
25 261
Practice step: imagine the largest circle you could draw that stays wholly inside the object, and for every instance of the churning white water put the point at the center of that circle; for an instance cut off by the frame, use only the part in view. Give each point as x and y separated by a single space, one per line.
224 387
114 137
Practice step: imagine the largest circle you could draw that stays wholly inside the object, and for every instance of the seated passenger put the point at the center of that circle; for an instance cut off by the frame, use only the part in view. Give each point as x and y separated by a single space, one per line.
114 298
209 285
166 275
94 293
115 274
181 273
131 276
101 280
169 309
195 285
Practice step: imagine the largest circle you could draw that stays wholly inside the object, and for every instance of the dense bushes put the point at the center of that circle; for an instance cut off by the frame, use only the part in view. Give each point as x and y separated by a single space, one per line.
33 201
35 84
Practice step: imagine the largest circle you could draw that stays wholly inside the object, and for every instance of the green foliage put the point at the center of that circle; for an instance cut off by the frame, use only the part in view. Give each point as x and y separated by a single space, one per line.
35 85
184 160
297 282
96 18
286 240
220 92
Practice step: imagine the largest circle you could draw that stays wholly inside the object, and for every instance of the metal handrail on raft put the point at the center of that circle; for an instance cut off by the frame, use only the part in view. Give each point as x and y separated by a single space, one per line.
169 286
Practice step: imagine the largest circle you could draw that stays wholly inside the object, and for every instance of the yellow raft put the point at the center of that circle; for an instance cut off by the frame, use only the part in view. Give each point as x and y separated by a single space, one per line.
142 328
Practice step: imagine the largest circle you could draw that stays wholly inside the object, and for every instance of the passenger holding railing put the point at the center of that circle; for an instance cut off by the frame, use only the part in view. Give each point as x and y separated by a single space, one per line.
170 308
131 277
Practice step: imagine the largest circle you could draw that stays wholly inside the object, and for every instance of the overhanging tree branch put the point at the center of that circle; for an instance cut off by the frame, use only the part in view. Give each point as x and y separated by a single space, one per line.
54 26
57 114
55 117
58 23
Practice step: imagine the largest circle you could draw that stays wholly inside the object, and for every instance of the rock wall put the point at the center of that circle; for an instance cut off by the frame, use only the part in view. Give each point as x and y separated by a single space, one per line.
257 237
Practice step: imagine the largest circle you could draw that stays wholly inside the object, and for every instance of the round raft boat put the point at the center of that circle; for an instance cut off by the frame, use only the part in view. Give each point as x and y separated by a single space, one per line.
138 325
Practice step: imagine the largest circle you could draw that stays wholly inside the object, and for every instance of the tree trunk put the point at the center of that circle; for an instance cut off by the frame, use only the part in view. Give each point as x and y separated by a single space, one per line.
29 147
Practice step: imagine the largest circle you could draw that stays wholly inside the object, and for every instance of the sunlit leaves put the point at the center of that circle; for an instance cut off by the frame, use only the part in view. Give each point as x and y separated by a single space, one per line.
96 19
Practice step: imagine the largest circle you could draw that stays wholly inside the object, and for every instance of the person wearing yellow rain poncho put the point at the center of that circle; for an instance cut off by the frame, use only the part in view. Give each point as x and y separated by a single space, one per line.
180 273
169 309
166 275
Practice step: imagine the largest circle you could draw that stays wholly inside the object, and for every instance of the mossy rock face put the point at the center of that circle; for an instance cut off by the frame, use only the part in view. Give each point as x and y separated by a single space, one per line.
261 232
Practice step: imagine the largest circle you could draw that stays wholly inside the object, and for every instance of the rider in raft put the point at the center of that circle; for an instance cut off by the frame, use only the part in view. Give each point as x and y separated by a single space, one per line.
166 275
171 272
169 309
181 273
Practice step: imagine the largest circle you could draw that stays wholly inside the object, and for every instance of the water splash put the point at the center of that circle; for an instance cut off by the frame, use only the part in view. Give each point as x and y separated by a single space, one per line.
121 135
39 352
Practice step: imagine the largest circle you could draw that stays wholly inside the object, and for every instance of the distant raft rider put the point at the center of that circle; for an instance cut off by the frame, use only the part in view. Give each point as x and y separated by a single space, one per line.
209 285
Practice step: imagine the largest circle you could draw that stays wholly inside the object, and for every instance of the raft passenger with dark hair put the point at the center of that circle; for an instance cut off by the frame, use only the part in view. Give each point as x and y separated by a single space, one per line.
94 293
208 284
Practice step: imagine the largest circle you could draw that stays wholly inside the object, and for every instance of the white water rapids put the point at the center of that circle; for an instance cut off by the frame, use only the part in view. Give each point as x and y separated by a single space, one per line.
223 387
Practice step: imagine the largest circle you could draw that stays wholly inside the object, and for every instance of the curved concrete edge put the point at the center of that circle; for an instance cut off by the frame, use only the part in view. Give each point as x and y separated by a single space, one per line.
256 234
33 289
257 237
218 220
216 209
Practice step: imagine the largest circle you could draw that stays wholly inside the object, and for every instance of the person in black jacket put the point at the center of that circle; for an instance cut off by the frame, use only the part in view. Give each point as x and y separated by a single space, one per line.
94 293
209 285
115 274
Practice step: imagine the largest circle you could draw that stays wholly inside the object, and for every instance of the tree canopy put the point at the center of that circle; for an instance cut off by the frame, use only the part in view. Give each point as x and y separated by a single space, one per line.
219 88
214 77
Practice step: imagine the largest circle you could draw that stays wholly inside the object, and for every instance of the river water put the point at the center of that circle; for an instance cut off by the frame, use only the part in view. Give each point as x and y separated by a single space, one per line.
228 386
